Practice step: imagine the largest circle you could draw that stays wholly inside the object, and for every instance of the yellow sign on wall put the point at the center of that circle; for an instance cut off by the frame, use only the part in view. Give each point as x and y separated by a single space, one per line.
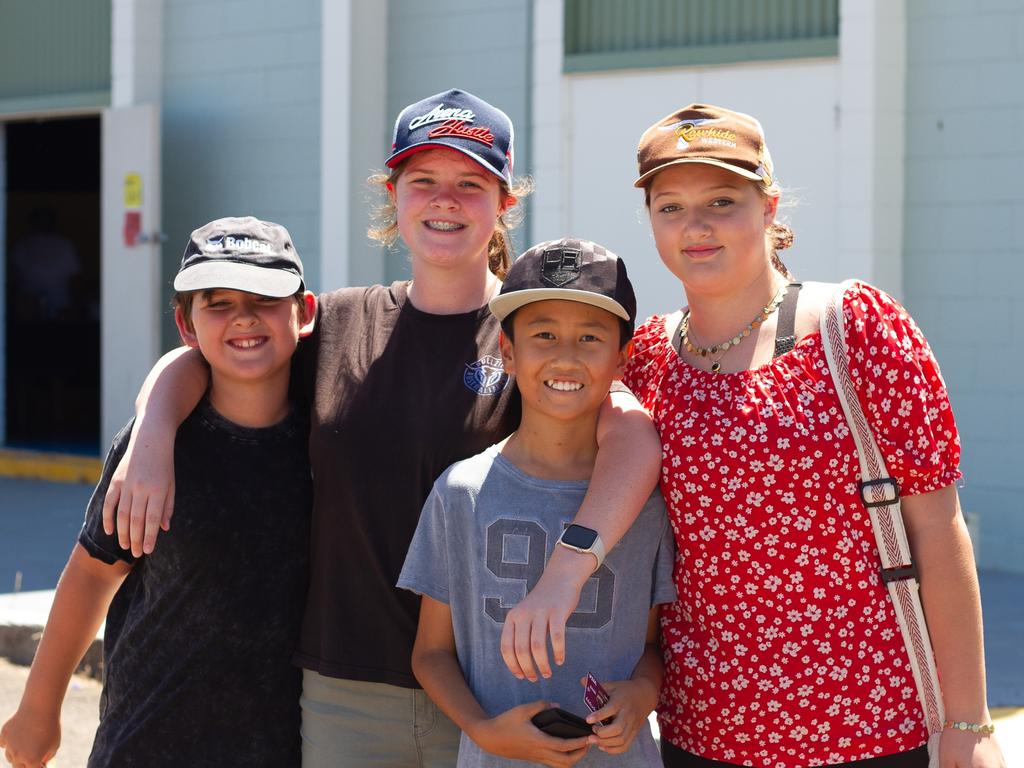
132 191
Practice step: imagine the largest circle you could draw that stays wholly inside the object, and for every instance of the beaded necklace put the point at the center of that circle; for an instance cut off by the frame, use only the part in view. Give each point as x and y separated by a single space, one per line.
722 347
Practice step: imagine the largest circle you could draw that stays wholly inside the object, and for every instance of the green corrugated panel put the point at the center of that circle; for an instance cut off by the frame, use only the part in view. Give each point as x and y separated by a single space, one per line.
52 48
596 28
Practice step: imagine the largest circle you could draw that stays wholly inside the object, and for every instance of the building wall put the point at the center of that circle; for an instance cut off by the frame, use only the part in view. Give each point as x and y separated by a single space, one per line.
607 112
3 288
964 240
483 48
54 55
833 147
241 122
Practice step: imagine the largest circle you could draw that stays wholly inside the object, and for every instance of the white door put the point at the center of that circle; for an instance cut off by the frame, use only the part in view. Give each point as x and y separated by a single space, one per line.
130 290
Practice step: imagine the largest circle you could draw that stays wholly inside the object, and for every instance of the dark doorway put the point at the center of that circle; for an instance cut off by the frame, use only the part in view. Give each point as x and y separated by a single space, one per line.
53 285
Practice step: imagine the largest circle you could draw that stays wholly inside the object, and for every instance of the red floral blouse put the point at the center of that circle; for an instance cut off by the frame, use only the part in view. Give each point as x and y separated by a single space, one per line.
783 648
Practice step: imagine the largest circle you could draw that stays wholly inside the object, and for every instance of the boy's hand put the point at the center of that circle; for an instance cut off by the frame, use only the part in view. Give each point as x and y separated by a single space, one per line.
512 735
630 702
29 741
140 497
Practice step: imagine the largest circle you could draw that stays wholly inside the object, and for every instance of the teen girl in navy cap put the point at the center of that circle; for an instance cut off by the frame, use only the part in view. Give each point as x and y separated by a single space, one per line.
403 380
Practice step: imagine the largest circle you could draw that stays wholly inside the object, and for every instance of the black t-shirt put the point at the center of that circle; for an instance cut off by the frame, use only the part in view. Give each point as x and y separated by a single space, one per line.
397 396
199 638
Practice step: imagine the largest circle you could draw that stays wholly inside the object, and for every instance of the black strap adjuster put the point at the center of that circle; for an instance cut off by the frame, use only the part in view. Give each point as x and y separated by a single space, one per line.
887 482
899 573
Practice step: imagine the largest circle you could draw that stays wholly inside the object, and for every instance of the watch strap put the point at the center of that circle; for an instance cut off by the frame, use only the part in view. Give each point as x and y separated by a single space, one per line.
596 548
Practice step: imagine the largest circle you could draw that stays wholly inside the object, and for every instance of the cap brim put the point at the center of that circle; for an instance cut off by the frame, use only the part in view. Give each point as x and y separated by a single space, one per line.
505 304
642 181
412 149
276 283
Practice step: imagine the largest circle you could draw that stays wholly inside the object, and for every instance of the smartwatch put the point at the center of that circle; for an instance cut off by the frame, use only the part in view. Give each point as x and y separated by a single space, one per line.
581 539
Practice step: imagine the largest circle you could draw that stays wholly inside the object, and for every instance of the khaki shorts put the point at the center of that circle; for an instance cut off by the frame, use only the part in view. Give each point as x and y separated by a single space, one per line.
351 724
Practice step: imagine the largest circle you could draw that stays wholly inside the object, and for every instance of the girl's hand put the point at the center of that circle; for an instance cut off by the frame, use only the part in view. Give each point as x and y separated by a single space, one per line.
629 704
963 749
512 735
540 615
30 741
140 498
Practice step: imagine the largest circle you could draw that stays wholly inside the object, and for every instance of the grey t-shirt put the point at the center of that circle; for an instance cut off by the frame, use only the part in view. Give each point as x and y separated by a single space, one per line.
486 532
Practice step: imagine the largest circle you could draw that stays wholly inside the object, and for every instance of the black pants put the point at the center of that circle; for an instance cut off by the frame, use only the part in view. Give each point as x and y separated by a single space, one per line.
674 757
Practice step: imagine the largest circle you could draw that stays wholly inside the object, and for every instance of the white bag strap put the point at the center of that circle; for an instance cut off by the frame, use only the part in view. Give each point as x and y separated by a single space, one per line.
881 497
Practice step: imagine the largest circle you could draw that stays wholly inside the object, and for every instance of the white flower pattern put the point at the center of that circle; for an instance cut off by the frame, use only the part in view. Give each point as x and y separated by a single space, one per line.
783 649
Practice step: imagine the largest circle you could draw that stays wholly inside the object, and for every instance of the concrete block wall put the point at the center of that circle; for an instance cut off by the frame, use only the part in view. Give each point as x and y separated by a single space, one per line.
480 47
964 241
241 121
3 289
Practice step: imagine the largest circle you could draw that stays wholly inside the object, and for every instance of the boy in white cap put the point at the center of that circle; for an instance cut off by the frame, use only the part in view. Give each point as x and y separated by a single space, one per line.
567 310
199 635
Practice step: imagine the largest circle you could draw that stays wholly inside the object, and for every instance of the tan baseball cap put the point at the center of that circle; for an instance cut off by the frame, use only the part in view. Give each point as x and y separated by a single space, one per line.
701 133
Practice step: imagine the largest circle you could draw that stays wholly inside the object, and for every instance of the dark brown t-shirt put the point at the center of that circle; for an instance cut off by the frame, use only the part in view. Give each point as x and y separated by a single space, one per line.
397 396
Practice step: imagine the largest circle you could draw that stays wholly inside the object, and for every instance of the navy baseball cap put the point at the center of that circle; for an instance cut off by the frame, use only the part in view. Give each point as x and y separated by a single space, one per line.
571 270
457 120
241 254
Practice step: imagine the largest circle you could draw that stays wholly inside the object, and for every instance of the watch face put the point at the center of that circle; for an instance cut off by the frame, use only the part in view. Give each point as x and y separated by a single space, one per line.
578 536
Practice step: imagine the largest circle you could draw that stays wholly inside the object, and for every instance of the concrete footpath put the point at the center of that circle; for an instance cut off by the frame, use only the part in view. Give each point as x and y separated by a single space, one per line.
39 523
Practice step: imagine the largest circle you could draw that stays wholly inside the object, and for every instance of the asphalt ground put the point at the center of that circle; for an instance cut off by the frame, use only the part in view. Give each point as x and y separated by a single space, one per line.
39 523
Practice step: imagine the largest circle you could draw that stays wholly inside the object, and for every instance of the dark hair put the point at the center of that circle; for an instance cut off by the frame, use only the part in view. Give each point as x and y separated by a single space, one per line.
184 300
625 328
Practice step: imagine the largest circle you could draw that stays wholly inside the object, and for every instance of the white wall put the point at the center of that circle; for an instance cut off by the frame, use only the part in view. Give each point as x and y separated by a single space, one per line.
130 289
604 115
135 51
353 89
3 285
129 276
872 59
965 243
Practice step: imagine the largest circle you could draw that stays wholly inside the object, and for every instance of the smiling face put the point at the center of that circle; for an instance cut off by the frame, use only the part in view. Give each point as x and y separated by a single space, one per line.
709 226
565 356
447 207
246 337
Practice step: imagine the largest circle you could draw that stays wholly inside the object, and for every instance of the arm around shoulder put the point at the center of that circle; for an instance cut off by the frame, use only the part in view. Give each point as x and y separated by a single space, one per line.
625 473
140 498
627 468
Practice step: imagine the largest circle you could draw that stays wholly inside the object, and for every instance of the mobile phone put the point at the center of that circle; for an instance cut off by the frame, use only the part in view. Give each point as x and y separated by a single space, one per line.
564 725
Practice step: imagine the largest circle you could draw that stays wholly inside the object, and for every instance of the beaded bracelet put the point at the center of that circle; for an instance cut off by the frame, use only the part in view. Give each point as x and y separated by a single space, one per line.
959 725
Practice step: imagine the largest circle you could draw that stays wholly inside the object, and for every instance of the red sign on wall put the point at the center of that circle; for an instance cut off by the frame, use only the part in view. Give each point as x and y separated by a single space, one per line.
132 227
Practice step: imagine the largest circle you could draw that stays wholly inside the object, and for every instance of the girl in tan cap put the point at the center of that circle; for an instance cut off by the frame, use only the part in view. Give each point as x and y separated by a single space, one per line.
784 648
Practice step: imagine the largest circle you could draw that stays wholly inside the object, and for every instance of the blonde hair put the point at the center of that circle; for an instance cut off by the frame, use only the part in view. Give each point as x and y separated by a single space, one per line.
779 235
384 217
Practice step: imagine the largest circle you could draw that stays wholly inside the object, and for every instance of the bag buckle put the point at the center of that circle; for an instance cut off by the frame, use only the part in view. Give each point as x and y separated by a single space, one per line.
886 482
899 573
